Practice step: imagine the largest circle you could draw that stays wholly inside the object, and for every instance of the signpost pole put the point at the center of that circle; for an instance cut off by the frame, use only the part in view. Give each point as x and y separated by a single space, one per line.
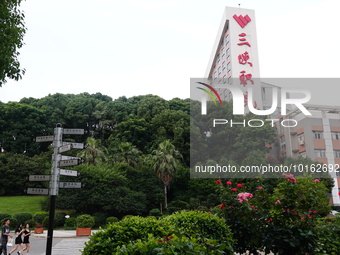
58 133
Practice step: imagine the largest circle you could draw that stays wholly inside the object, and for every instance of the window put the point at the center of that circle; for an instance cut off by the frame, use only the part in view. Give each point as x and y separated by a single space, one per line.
336 153
229 66
219 71
218 58
215 74
224 79
283 147
228 52
335 135
301 139
320 153
303 154
223 65
317 134
226 40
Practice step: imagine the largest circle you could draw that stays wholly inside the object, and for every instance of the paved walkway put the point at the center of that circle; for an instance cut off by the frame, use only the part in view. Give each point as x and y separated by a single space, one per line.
69 246
65 242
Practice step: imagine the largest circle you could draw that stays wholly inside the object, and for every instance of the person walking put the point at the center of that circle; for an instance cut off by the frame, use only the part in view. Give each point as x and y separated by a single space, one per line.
4 236
18 239
26 242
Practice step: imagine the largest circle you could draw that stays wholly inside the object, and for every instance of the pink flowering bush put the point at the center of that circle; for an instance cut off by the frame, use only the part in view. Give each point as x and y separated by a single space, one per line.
282 220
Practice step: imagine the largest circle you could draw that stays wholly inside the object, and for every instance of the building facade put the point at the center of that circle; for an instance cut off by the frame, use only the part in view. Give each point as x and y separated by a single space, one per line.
234 62
317 137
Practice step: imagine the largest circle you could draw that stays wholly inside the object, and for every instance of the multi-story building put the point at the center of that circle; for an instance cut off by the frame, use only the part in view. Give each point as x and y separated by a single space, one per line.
234 61
317 137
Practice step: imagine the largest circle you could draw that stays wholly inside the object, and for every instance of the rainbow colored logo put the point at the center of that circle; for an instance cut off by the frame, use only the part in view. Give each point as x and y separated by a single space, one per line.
210 94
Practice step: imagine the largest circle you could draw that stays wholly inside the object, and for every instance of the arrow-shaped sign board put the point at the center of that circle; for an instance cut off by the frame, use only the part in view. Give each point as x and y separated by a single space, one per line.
40 139
37 191
63 157
73 131
70 162
68 172
70 185
64 148
75 145
37 178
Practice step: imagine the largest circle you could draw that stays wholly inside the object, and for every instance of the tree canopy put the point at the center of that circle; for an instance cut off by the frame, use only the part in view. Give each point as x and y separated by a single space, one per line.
12 31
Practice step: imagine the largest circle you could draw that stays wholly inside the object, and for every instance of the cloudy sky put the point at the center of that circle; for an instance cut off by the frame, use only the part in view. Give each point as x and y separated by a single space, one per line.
135 47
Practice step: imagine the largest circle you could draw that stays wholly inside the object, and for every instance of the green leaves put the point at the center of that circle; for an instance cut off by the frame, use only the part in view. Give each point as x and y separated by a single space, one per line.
181 233
12 31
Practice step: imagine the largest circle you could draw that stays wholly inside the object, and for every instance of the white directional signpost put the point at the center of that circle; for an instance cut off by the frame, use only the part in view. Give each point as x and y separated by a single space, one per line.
40 139
37 191
74 145
68 172
58 161
37 178
70 185
64 148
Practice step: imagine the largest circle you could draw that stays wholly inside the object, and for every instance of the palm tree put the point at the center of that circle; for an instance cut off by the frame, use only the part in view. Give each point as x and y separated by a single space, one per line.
127 153
165 163
93 153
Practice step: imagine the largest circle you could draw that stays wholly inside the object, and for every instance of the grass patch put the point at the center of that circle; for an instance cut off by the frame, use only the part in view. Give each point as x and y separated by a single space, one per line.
21 204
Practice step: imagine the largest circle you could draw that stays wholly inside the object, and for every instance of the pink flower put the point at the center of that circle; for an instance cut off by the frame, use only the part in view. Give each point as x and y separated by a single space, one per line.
239 185
244 197
222 206
259 187
317 180
218 182
233 190
228 183
290 177
277 202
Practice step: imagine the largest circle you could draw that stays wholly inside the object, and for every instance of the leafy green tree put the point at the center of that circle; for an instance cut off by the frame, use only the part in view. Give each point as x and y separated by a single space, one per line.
15 169
105 190
165 164
127 153
93 152
12 31
134 130
19 125
175 126
150 105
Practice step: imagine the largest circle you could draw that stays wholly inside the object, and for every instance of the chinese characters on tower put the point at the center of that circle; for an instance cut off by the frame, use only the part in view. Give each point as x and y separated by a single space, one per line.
244 58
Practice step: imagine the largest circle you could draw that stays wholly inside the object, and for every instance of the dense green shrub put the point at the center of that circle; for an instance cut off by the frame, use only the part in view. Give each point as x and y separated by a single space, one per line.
200 224
71 223
282 221
23 217
4 216
111 219
328 241
85 221
197 232
170 245
46 222
39 217
30 222
59 219
100 219
13 224
155 212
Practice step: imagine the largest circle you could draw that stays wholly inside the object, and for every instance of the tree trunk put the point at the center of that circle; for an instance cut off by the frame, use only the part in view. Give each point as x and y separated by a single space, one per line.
165 197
